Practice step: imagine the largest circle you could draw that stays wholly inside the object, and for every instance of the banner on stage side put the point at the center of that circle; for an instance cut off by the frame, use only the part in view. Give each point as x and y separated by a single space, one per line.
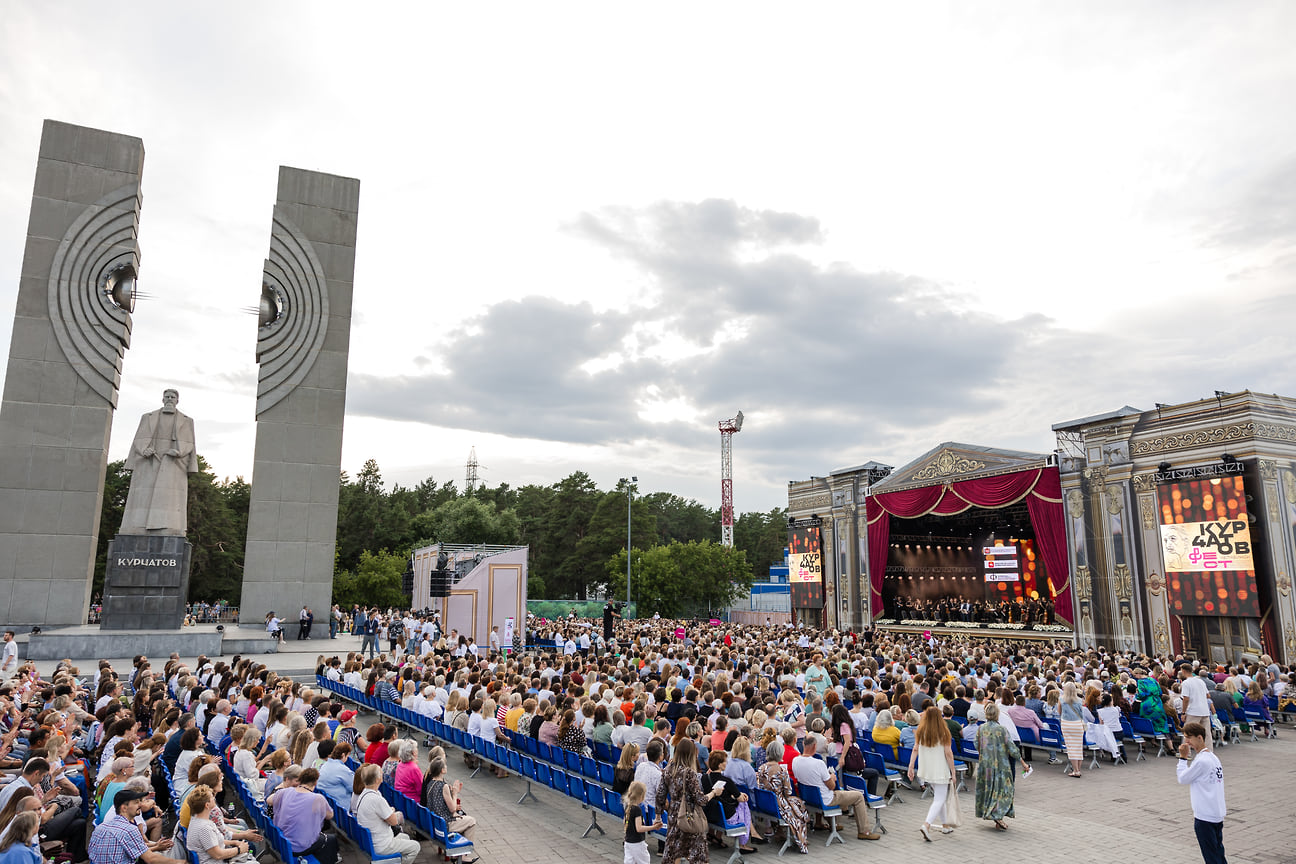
805 567
1206 547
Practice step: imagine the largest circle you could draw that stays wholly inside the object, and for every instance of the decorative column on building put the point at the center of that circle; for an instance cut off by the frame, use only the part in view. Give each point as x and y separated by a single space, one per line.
1156 597
1278 489
1118 542
1112 596
1078 549
852 592
828 539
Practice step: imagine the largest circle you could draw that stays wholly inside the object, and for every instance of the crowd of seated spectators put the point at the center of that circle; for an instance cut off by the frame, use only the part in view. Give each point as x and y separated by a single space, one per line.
745 702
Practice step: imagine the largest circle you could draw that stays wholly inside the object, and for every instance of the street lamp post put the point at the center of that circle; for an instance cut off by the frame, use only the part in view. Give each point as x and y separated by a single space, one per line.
629 501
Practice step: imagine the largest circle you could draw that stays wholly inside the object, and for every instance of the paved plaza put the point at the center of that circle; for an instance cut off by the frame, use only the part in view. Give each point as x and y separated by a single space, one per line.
1115 814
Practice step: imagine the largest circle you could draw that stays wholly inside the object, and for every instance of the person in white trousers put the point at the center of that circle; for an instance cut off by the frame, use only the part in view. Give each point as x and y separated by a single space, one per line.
935 766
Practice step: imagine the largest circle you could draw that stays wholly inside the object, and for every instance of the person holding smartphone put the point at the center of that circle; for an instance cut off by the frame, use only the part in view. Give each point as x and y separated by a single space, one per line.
726 802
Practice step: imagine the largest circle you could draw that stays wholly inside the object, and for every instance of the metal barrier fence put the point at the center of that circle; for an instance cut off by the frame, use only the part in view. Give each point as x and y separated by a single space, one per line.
196 613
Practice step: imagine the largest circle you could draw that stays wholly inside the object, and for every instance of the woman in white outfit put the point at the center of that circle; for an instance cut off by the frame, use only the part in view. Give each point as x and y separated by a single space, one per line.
1096 728
373 812
935 762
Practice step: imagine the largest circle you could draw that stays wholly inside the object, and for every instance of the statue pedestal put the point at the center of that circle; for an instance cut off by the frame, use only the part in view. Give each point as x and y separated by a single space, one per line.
146 582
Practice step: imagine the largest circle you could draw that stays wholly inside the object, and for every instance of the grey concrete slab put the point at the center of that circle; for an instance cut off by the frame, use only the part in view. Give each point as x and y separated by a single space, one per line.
301 396
65 353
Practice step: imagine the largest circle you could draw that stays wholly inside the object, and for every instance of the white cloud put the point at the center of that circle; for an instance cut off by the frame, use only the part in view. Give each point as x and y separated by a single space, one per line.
1096 186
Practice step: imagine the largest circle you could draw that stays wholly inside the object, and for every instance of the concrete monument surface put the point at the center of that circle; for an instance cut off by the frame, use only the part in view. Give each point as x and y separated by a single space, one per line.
161 458
302 349
71 329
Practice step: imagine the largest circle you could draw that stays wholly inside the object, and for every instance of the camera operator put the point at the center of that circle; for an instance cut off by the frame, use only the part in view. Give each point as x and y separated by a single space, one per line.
610 614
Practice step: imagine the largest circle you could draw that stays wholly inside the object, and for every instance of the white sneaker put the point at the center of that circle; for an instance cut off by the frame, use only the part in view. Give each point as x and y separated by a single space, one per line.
1030 769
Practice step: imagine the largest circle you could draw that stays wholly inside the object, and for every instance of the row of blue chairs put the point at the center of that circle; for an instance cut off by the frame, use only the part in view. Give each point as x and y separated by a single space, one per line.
588 779
428 823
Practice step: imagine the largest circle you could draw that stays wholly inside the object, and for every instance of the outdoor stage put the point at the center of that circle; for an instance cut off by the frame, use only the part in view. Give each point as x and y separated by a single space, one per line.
971 537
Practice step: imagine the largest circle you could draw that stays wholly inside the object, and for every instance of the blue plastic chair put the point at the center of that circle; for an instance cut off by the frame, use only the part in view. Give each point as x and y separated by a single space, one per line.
596 796
455 845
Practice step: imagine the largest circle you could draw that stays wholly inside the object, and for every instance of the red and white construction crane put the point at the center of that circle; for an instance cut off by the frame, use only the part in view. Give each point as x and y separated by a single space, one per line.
727 430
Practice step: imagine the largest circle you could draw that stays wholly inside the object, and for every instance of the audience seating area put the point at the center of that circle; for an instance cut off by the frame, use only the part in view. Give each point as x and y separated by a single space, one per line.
418 820
587 779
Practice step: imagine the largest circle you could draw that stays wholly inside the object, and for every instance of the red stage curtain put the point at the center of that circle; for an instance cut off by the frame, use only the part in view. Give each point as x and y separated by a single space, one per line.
995 492
910 502
1045 508
1042 489
879 543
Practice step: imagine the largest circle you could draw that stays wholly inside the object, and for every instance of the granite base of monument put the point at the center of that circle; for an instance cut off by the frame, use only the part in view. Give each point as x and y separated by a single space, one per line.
146 582
89 640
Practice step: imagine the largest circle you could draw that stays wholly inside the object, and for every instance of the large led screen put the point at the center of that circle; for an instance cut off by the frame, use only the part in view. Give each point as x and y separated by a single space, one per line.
805 567
1206 548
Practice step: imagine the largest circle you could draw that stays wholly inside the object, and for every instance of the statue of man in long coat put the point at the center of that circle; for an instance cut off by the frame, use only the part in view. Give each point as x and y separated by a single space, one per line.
162 457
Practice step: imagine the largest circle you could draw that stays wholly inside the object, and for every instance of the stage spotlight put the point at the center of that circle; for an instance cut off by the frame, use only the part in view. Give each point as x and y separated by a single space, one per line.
35 631
1251 517
814 515
1230 461
220 628
791 520
1164 467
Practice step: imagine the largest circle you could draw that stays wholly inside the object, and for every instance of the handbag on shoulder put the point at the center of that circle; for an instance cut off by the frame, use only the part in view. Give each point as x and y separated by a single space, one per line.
690 818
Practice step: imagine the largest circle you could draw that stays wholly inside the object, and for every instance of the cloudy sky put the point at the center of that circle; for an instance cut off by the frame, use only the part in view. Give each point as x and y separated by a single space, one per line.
590 231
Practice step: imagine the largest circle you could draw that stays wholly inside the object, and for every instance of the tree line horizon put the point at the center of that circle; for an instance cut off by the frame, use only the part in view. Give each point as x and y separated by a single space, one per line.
574 531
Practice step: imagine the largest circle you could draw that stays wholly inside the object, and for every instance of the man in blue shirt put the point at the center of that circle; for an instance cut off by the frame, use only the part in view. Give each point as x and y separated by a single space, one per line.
370 631
118 840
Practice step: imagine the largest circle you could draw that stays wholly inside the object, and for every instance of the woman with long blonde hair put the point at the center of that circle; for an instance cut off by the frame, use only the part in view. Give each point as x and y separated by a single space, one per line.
935 766
623 774
1071 715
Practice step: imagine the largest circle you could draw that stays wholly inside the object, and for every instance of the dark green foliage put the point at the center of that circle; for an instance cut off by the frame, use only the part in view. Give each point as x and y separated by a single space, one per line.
681 579
571 527
376 581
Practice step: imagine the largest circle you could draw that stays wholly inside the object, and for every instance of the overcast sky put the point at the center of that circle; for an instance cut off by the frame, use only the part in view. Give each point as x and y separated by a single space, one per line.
587 232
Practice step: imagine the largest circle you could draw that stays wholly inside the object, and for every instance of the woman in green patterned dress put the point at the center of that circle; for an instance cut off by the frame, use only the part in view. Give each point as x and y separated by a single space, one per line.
996 771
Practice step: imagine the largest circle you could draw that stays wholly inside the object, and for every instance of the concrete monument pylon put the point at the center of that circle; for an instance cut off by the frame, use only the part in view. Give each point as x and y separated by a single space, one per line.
303 341
71 330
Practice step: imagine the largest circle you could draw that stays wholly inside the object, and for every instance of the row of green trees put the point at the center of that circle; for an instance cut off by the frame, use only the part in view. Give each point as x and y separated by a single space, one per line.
574 530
